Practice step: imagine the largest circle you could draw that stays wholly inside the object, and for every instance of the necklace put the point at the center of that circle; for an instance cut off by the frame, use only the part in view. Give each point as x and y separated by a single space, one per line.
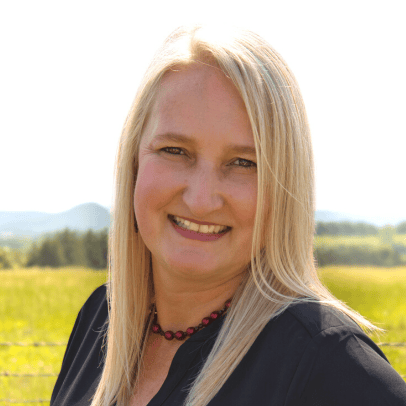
181 335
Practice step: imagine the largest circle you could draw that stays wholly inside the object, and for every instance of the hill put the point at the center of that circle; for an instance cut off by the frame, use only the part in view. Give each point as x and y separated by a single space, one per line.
32 224
333 216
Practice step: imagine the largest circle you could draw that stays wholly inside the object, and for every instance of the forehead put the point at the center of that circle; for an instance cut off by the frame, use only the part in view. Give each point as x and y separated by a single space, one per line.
201 95
205 81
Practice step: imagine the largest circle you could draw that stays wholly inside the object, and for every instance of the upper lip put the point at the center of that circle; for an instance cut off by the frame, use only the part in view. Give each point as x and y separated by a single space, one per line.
200 222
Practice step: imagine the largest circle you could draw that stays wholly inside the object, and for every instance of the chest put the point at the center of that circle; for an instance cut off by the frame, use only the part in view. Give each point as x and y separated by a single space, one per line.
157 361
147 389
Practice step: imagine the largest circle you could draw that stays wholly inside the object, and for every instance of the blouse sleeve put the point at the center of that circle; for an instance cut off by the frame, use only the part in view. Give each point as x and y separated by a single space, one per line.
348 369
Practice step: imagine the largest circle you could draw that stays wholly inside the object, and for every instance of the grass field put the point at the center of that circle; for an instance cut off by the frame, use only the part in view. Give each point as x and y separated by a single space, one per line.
41 306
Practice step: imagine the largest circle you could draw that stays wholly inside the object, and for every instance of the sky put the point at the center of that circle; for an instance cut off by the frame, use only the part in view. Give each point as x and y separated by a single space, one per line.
70 70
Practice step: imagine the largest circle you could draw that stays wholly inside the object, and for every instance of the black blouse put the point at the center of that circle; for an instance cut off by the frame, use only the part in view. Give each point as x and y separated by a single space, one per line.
310 355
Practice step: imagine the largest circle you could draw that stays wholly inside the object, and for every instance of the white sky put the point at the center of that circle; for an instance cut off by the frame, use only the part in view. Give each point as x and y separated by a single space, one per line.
70 69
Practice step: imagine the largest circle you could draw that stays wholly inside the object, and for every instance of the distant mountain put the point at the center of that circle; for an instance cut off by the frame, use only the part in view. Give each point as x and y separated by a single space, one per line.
32 224
333 216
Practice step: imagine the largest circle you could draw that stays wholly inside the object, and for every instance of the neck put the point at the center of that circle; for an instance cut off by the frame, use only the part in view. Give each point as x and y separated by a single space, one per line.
180 306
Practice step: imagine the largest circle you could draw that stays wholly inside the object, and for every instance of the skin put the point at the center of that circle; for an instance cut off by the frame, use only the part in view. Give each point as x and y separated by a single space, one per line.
199 179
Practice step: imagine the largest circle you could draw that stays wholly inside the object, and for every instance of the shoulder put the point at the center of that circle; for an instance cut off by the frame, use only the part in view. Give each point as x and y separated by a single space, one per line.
314 318
336 362
93 314
83 356
89 324
304 324
91 319
326 333
96 299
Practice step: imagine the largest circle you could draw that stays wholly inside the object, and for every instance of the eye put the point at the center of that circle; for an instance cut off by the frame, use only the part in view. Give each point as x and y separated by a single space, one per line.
244 163
173 150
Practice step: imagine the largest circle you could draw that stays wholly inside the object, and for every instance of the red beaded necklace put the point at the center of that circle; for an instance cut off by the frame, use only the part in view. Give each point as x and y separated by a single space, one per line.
181 335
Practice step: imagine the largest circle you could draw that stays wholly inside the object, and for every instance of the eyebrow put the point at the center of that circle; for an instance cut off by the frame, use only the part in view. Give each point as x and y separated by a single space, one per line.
240 149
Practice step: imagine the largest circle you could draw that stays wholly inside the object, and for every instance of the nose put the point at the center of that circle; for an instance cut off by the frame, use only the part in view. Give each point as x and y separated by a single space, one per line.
203 191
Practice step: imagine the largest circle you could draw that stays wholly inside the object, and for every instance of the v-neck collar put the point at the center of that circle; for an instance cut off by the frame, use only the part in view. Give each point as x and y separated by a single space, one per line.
183 359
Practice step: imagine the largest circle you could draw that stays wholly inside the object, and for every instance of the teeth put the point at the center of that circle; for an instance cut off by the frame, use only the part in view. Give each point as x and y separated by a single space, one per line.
193 226
201 228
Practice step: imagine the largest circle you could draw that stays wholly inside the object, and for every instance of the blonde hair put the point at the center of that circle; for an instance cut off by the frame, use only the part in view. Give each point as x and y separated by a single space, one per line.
282 268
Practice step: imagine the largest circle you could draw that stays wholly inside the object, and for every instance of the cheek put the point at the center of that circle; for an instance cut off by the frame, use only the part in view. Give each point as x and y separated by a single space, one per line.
245 203
153 189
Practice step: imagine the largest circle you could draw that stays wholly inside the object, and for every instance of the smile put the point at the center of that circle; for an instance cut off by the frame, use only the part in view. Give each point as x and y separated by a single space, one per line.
193 230
199 228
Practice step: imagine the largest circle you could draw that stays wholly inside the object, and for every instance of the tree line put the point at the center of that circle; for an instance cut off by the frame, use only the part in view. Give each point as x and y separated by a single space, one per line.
361 255
351 228
68 247
90 249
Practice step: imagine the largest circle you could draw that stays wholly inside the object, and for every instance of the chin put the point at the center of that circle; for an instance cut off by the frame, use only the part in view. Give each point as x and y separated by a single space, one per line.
193 266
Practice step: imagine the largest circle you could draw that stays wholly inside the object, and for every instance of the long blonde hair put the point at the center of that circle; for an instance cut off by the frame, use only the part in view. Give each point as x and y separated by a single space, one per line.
282 268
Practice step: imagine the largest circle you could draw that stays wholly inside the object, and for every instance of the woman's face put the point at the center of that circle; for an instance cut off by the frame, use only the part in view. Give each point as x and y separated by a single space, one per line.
197 162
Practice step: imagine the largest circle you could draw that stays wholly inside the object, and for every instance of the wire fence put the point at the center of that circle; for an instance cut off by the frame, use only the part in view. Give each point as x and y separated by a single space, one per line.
45 344
34 344
7 401
18 375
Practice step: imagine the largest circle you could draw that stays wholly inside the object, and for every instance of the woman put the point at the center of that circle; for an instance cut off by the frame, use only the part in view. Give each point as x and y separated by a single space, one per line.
213 296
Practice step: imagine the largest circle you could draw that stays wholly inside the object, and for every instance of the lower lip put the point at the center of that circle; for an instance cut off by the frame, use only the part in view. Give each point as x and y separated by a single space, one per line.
194 235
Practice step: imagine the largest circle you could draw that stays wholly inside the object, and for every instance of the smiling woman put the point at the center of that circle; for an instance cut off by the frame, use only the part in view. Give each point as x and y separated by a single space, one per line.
213 295
196 176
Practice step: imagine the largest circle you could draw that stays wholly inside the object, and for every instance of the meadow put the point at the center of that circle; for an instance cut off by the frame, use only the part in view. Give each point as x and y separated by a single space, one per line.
41 305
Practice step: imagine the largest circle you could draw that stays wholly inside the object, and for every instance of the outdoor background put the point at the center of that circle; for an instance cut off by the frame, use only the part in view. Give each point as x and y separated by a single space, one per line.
68 76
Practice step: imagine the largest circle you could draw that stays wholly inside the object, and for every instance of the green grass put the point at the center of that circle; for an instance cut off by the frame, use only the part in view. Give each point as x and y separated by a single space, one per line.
39 305
42 305
367 240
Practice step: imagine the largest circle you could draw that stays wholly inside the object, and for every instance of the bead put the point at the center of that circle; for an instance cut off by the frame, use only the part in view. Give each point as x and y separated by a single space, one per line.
206 321
190 331
180 335
215 315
